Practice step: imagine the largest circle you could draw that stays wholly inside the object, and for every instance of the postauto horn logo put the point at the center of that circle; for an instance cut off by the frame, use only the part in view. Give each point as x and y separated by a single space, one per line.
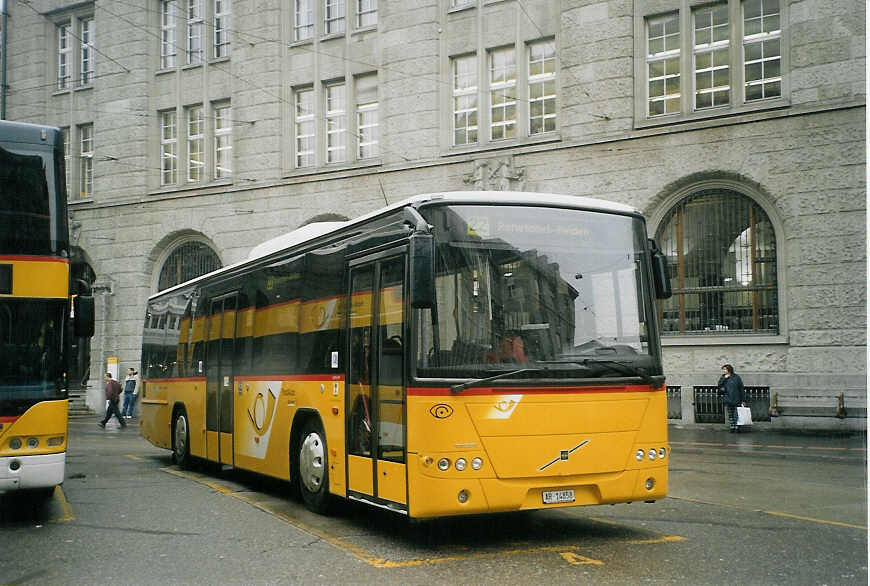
441 411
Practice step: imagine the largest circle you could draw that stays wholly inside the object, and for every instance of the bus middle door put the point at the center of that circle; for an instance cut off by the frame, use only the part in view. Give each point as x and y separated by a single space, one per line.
219 379
376 393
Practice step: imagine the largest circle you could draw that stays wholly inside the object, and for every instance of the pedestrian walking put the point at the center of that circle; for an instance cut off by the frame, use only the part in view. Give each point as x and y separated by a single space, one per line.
113 397
131 390
731 388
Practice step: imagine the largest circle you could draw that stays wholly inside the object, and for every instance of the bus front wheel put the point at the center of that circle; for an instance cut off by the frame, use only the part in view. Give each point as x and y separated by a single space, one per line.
181 439
313 467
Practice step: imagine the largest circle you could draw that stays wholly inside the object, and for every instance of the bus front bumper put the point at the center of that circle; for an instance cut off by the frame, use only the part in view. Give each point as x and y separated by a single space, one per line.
25 472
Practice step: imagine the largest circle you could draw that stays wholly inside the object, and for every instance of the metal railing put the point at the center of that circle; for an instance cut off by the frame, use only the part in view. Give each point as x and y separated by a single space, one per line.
675 406
710 409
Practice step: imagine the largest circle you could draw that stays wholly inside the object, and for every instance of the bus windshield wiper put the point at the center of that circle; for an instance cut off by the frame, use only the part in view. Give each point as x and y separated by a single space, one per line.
547 366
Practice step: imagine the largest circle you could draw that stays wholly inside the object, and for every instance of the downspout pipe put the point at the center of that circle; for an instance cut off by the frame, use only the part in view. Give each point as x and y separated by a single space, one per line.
3 22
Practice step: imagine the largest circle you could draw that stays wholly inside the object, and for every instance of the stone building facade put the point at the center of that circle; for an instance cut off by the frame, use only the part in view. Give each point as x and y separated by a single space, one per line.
737 127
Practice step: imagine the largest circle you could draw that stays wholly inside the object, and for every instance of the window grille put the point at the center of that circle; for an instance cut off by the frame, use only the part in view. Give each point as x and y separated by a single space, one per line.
761 49
223 142
711 55
502 93
663 65
367 116
64 56
334 16
336 124
721 251
465 100
87 51
222 25
188 261
195 144
168 148
305 128
542 87
195 25
303 24
366 13
86 160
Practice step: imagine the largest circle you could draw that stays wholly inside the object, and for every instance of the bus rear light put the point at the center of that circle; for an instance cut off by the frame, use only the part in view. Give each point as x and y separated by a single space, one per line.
639 455
662 453
443 464
461 464
15 443
462 497
55 441
652 454
650 483
476 464
32 442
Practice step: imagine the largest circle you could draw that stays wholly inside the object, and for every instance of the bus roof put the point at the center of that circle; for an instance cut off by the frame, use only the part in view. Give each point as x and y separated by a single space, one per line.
22 132
316 230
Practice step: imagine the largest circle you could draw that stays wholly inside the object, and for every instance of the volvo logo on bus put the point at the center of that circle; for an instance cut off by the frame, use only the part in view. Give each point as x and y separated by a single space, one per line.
441 411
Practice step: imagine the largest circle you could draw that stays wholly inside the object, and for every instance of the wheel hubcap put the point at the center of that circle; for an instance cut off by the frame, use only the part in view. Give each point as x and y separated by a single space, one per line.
311 462
180 437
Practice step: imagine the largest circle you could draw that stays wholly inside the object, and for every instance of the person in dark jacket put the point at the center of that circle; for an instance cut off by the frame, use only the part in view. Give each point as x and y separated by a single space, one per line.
731 387
113 396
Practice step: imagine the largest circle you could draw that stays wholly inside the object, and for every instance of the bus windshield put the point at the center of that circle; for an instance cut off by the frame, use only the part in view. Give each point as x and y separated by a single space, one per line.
26 206
537 290
31 343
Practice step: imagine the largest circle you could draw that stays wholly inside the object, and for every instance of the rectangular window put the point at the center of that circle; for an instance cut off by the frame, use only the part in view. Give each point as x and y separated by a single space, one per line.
223 142
66 159
465 100
336 124
460 3
711 55
502 93
64 56
542 87
168 148
334 16
366 13
303 22
762 49
195 144
86 160
195 25
168 18
222 26
304 128
663 65
87 51
368 132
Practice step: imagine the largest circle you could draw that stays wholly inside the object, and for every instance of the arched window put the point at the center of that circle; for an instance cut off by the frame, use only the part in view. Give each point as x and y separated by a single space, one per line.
189 260
721 251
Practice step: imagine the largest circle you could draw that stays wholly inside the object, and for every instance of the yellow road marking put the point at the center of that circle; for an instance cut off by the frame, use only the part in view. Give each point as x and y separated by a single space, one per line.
579 560
65 507
135 458
363 555
773 513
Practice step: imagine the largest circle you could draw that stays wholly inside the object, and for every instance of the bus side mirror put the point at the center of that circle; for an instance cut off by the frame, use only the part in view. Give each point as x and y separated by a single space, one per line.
83 310
661 280
422 278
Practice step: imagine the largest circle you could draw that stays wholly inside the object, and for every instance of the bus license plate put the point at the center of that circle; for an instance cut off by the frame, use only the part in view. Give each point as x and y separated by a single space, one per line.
558 496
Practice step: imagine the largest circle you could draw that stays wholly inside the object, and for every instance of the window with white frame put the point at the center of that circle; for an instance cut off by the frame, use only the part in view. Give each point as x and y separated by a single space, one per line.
168 148
222 27
87 51
304 127
303 19
334 16
722 76
195 26
64 133
368 131
336 123
195 144
64 56
502 93
86 160
366 13
168 20
712 57
464 100
461 3
663 65
223 142
762 49
542 87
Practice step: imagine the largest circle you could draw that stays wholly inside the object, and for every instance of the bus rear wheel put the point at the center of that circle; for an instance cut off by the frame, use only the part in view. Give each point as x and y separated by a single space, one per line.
181 439
313 467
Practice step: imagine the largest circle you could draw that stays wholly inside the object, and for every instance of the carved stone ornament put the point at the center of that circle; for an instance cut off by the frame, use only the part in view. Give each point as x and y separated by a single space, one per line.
497 174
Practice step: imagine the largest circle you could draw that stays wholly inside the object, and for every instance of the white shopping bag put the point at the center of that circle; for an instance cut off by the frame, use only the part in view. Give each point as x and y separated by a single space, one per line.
744 416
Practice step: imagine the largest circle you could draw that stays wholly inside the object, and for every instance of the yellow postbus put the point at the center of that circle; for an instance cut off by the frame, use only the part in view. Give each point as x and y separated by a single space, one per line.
35 308
454 353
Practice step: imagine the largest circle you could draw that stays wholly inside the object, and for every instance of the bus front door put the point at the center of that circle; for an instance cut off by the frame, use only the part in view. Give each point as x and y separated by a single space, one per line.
219 380
376 391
